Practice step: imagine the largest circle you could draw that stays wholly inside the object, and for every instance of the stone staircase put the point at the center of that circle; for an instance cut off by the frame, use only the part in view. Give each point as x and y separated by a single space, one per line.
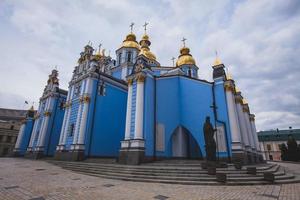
176 172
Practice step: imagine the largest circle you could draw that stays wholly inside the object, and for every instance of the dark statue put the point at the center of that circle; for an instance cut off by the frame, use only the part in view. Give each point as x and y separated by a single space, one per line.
210 143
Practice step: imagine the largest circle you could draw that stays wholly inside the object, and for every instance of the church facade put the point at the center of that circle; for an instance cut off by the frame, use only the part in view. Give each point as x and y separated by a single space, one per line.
136 110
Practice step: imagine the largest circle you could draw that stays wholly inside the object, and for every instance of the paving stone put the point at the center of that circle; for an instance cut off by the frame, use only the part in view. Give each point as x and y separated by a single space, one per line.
11 187
160 197
108 185
32 185
40 169
37 198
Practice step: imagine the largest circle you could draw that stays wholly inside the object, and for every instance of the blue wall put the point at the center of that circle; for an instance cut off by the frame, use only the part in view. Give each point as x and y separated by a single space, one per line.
186 102
148 124
54 127
108 126
167 107
26 135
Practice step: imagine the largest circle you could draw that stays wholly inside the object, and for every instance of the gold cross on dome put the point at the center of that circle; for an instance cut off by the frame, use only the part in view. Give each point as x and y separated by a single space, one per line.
216 54
131 26
183 41
145 26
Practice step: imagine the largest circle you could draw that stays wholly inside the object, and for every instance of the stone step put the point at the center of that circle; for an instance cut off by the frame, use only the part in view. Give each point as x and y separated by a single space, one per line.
151 171
159 173
178 175
190 182
177 178
160 168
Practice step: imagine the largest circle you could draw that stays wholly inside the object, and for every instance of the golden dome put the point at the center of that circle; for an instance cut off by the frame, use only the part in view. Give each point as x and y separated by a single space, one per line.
145 50
217 62
185 58
130 42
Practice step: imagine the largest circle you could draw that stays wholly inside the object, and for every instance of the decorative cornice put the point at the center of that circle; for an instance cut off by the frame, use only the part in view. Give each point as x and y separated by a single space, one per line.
36 116
252 117
129 80
238 99
140 77
229 86
68 104
245 108
47 113
84 99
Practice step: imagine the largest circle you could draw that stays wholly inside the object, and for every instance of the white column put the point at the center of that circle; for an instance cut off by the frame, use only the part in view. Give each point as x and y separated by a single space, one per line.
139 116
128 111
243 125
233 118
249 130
86 102
33 134
20 136
64 130
255 136
77 125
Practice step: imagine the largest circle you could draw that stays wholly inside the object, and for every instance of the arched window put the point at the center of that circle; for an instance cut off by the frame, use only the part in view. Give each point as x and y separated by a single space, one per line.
129 55
119 58
190 72
71 130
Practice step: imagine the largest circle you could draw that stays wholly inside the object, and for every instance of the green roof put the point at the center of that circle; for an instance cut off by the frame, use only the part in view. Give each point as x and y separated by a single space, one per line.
280 135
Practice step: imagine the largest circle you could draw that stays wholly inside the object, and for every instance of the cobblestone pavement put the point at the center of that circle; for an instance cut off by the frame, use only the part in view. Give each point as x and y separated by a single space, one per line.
37 180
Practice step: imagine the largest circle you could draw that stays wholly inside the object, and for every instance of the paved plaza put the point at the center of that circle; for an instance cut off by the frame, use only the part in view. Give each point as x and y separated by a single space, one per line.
27 179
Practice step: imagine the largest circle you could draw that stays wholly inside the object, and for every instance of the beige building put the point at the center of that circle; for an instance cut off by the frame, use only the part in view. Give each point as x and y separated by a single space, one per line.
270 142
10 122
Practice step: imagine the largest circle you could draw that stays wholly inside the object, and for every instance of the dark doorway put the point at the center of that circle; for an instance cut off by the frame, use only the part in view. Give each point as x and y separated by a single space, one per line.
184 144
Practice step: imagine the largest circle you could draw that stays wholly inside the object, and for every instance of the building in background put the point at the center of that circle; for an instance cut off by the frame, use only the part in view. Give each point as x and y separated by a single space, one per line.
270 141
10 122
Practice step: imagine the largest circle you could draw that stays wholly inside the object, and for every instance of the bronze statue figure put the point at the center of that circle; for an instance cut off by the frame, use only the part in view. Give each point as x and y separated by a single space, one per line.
210 144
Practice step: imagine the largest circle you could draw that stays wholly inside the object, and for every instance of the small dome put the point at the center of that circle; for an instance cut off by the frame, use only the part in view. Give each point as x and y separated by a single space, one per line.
217 62
145 50
185 58
130 42
147 53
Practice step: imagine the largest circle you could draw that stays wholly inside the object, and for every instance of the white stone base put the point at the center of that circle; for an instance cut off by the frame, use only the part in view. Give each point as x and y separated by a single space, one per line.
77 147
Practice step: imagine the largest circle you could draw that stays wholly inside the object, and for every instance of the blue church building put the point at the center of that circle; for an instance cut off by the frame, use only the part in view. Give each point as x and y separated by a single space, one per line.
136 110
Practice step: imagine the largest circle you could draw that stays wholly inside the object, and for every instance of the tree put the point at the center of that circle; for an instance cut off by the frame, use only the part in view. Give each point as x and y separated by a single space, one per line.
292 148
284 151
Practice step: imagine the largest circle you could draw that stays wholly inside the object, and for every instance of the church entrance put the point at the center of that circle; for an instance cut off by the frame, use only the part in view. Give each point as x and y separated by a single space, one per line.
184 144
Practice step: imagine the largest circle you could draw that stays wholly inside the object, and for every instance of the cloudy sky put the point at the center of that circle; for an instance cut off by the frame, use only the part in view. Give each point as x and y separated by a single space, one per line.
257 40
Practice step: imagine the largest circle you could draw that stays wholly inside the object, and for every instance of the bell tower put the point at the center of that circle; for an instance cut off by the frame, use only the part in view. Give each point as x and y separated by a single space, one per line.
126 55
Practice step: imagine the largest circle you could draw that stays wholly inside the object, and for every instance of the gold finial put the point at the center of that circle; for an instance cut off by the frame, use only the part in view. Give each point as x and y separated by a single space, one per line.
173 60
99 48
131 27
217 60
183 41
145 27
